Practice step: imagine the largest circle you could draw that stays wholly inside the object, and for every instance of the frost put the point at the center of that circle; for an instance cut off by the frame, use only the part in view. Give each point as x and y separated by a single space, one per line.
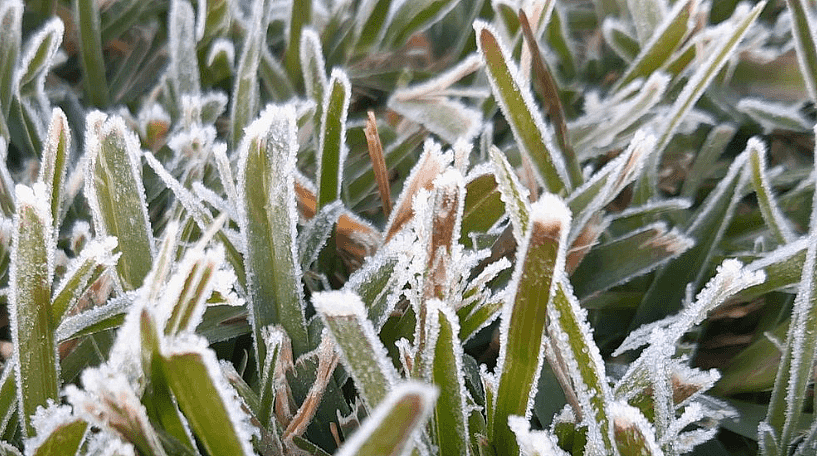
47 420
70 326
534 443
221 47
110 402
313 62
773 115
451 120
316 232
512 193
107 444
627 418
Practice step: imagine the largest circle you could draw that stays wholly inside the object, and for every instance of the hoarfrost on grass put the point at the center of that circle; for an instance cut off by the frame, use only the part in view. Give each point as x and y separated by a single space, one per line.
534 443
45 421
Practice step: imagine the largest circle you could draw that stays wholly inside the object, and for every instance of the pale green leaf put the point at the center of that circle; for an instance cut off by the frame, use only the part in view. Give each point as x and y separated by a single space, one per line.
56 154
332 142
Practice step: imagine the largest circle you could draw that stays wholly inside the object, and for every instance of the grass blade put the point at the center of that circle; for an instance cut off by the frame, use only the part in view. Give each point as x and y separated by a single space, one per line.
11 19
206 399
513 194
332 142
516 102
267 190
540 258
93 261
56 153
32 330
59 432
389 430
113 187
86 13
245 97
805 42
362 353
450 413
772 215
38 56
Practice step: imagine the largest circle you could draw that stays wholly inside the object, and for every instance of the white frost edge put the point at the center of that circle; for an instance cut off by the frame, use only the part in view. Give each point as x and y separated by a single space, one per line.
428 393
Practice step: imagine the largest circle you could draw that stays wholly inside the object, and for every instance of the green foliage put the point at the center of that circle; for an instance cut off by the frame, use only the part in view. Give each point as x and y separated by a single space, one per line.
372 227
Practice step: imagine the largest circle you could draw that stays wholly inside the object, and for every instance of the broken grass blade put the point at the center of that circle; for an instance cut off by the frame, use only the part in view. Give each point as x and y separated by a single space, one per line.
514 195
89 36
266 174
392 426
802 21
573 339
30 274
772 215
206 399
516 102
56 153
375 148
666 38
450 412
540 259
362 353
634 254
332 142
113 187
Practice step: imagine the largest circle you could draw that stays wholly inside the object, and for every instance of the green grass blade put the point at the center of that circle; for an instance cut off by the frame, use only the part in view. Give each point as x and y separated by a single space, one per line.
663 42
413 17
59 433
573 339
516 103
100 318
362 353
624 258
540 258
375 283
796 365
8 398
314 69
206 399
719 51
244 100
300 16
772 214
483 204
93 261
805 42
513 194
32 331
86 16
183 70
266 185
450 419
332 142
11 18
278 347
712 148
371 18
56 154
113 187
708 225
37 57
389 430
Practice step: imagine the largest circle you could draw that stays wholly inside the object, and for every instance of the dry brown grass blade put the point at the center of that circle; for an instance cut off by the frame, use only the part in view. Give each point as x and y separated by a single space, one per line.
550 95
428 170
327 360
381 174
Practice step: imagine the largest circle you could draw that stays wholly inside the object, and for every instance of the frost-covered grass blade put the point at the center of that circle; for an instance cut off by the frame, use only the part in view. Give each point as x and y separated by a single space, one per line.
58 432
332 142
245 91
266 188
390 429
540 259
86 13
516 103
363 354
32 327
56 154
803 33
113 187
777 222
